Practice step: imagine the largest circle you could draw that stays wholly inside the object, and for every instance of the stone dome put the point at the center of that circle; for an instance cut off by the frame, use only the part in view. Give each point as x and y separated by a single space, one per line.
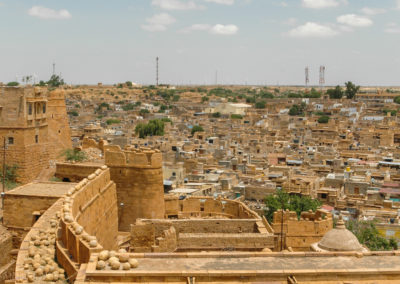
339 239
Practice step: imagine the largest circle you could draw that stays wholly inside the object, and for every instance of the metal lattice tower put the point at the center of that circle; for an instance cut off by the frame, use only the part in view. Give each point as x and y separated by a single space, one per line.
321 76
307 76
157 71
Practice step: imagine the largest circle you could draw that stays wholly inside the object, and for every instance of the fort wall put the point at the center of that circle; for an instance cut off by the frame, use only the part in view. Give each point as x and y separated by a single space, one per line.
139 181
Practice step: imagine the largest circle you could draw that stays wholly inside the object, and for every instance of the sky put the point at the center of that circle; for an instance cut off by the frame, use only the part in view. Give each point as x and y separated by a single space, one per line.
253 42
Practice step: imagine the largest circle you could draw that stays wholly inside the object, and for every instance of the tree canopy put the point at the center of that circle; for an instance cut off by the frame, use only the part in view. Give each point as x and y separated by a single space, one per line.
351 90
196 128
260 104
336 93
297 109
323 119
368 235
282 200
154 127
55 81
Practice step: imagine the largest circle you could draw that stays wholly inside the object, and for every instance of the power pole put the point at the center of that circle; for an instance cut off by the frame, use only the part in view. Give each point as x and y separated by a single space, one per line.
54 68
157 71
4 174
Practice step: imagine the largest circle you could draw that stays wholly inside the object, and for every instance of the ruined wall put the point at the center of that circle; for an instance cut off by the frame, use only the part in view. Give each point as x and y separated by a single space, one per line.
300 234
139 180
200 234
206 207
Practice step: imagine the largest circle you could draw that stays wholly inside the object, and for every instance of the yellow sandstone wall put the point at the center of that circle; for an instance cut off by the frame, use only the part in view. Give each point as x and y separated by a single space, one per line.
139 180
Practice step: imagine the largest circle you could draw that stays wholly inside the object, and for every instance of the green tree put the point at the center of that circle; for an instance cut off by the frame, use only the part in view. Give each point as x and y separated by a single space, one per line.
323 119
368 235
260 104
336 93
112 121
351 90
74 155
216 114
175 98
128 107
129 83
11 176
397 100
294 110
154 127
236 116
205 99
196 128
12 84
55 81
143 111
73 113
282 200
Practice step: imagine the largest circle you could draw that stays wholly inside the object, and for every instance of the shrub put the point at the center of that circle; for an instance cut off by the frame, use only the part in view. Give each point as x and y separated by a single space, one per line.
12 84
236 116
196 128
260 104
323 119
74 155
112 121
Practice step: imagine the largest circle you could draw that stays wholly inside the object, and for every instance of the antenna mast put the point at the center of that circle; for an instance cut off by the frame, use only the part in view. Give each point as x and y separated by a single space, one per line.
157 71
321 76
307 76
54 68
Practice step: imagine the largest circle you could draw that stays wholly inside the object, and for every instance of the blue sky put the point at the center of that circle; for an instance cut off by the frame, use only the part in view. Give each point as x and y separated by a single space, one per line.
245 41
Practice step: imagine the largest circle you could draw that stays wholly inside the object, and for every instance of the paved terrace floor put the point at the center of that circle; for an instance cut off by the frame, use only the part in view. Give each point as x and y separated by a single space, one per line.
305 267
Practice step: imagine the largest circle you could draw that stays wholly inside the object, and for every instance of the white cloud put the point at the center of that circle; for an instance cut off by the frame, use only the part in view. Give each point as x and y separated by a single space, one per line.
47 13
290 22
398 4
372 11
176 5
354 20
223 2
392 28
320 4
312 30
158 22
217 29
224 29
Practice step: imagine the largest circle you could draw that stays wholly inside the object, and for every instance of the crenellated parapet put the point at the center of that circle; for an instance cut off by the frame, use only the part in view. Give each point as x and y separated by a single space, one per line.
89 220
131 157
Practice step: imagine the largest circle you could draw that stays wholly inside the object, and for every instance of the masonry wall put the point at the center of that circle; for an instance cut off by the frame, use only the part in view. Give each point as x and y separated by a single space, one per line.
18 209
74 172
300 234
58 124
139 181
91 206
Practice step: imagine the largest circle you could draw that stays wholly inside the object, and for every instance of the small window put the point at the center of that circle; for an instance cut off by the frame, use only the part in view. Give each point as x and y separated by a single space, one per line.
10 140
30 109
44 108
37 138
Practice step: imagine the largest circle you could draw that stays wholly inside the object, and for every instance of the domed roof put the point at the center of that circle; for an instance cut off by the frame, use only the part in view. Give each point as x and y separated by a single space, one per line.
340 239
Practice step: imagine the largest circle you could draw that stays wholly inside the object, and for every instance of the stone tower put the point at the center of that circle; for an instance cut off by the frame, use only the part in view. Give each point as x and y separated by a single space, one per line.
24 126
58 124
139 179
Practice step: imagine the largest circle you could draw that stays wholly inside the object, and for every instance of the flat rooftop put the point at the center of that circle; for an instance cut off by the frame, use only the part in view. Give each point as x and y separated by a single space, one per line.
52 189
